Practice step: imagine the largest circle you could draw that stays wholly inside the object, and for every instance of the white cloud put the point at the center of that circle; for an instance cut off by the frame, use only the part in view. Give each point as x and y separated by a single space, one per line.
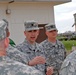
64 16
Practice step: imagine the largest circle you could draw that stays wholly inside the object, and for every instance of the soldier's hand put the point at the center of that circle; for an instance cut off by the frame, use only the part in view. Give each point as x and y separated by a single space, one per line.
49 71
37 60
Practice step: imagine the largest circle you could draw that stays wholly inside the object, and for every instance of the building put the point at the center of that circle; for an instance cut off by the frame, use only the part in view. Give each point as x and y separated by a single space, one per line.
19 11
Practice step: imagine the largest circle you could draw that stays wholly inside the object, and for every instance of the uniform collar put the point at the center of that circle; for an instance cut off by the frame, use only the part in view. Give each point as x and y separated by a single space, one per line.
31 46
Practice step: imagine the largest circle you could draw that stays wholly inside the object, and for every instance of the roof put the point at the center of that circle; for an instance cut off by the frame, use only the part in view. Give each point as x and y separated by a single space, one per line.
35 0
56 2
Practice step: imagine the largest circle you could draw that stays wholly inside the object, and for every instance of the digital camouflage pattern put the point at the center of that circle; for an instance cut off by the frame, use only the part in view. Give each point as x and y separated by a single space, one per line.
69 65
12 52
54 54
17 55
3 26
50 27
31 25
32 51
10 67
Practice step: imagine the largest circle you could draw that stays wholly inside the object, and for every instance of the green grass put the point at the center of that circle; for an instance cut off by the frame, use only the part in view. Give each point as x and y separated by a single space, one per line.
68 44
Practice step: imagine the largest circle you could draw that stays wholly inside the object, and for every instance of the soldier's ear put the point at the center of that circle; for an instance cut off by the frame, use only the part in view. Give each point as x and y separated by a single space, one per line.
46 32
6 42
38 32
8 34
25 33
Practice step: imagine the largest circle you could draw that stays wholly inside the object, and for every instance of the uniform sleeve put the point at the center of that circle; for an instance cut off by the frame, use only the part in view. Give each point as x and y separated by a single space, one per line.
17 68
19 47
68 68
63 47
17 55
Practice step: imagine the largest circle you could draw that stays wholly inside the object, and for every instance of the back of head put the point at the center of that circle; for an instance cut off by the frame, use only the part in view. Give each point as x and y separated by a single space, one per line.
3 26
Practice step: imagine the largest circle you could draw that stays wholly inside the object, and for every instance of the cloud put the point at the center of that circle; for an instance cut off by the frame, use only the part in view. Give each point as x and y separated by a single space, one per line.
64 18
65 15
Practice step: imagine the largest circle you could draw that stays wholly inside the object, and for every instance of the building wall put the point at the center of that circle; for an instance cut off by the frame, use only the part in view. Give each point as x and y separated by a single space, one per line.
20 12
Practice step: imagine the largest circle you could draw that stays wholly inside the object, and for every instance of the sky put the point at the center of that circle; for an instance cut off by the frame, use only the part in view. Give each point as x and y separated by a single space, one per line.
64 16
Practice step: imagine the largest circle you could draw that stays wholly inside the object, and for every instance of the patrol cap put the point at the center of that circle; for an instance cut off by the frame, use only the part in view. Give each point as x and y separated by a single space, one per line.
31 25
6 22
3 26
50 27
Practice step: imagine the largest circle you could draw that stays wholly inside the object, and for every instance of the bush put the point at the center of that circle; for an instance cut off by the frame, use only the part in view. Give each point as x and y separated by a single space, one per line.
69 43
74 38
63 38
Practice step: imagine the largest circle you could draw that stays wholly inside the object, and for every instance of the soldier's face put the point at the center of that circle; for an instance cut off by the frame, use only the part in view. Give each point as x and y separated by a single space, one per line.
51 34
31 35
3 45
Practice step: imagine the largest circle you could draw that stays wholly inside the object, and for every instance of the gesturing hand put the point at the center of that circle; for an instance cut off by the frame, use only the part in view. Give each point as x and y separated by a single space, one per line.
49 71
37 60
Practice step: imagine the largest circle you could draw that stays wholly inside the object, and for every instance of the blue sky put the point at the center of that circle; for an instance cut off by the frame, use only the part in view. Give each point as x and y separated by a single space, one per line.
64 18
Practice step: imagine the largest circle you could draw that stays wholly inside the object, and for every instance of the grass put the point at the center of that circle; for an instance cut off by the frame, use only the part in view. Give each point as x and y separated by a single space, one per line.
68 44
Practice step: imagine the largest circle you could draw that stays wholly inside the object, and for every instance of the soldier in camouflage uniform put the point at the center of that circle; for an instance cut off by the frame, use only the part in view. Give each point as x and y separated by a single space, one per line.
8 66
29 46
69 65
11 42
12 52
54 50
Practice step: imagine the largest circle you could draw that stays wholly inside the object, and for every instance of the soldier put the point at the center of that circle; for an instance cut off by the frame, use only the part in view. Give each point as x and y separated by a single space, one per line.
8 66
69 65
11 42
12 52
30 47
54 50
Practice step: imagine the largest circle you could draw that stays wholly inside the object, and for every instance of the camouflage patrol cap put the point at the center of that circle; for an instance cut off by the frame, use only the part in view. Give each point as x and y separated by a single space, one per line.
3 26
6 22
50 27
31 25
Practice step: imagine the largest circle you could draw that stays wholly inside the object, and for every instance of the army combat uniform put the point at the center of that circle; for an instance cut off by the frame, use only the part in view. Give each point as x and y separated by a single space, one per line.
69 65
16 55
12 52
54 54
54 51
8 66
31 51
